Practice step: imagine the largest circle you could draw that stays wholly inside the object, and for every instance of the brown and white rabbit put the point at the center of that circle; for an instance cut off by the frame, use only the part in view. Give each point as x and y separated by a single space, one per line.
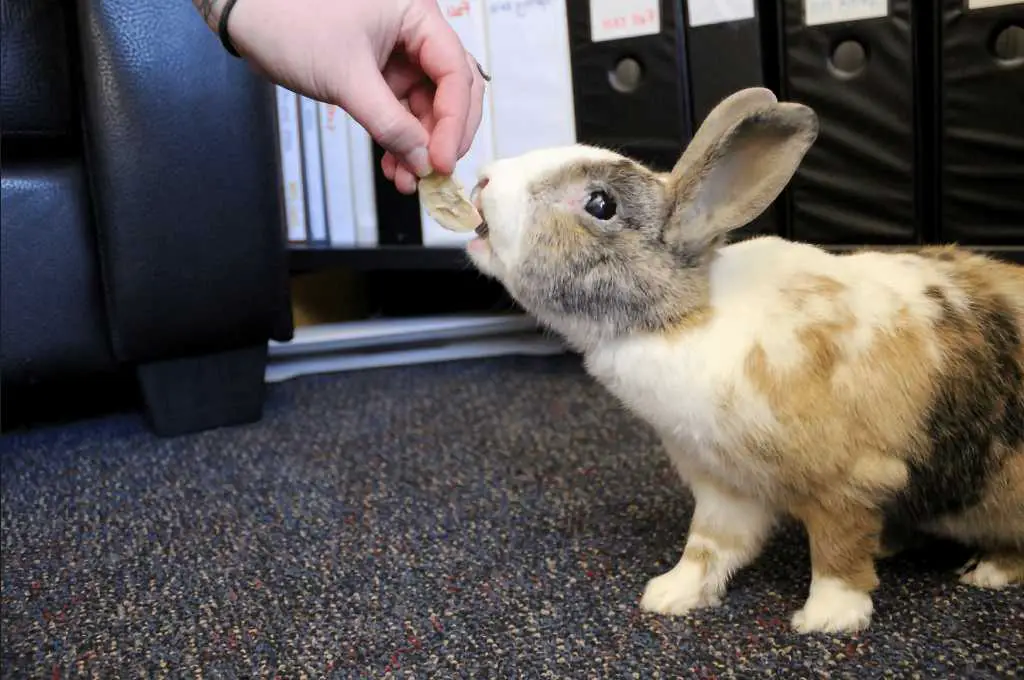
852 392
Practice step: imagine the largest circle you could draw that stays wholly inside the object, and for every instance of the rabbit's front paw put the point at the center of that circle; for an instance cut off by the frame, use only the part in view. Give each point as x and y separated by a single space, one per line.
677 591
834 607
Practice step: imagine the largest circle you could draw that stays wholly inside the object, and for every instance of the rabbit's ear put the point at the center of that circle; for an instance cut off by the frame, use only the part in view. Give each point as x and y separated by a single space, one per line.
726 113
739 161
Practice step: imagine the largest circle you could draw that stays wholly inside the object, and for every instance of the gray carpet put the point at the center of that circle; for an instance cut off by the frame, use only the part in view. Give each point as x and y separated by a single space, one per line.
477 520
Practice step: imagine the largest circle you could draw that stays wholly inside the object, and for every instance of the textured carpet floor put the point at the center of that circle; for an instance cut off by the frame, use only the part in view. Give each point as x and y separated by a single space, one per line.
485 519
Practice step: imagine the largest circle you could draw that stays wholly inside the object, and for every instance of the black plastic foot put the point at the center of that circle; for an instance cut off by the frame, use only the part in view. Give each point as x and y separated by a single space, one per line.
200 393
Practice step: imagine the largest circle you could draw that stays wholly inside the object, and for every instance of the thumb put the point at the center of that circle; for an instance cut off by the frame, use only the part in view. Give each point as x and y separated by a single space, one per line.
373 105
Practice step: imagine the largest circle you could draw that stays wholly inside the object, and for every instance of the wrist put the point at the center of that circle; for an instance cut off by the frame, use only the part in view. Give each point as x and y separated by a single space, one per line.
216 14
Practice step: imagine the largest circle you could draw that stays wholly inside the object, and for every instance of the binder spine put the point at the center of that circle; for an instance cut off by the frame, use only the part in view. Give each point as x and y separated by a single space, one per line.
398 215
316 212
630 91
336 151
926 21
724 54
853 64
980 137
290 151
363 189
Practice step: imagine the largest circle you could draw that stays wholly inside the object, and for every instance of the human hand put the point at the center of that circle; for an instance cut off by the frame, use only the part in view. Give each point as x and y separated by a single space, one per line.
395 66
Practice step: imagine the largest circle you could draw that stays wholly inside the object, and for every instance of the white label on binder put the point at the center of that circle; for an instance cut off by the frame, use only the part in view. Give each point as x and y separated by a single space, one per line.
291 164
985 4
316 209
334 149
617 19
531 86
817 12
363 188
704 12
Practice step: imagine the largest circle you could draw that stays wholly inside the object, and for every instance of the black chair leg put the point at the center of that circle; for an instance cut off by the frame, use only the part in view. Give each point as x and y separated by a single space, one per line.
192 394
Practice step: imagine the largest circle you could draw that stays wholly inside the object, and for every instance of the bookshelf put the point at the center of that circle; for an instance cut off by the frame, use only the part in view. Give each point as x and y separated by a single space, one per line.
311 258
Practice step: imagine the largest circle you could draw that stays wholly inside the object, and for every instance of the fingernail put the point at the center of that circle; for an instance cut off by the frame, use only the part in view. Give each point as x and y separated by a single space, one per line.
420 161
483 74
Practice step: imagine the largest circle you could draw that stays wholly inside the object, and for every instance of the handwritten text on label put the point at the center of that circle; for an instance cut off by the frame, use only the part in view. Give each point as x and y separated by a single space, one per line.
617 19
817 12
456 9
985 4
518 7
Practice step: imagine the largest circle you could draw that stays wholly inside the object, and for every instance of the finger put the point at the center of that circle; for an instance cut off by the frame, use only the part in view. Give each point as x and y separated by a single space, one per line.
476 108
405 181
442 57
388 165
420 104
417 103
376 108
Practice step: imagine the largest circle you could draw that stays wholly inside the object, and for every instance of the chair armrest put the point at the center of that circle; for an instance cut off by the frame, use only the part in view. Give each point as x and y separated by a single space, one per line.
181 149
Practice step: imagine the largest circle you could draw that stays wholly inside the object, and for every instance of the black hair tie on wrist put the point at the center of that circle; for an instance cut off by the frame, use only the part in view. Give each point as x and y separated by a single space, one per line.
222 28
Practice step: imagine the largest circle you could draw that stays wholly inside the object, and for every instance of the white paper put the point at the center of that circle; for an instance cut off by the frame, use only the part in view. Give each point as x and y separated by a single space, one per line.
531 75
347 335
279 371
985 4
467 18
341 228
354 345
364 192
291 164
314 179
817 12
617 19
705 12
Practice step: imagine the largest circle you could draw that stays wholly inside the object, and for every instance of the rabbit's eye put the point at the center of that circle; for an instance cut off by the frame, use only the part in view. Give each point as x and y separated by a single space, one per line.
600 205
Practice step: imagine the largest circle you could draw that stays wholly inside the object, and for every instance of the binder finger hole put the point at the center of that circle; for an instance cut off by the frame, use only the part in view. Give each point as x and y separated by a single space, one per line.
626 75
1008 45
849 58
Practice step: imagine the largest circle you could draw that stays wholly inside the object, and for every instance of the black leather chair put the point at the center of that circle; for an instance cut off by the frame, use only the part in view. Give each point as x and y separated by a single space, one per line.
143 256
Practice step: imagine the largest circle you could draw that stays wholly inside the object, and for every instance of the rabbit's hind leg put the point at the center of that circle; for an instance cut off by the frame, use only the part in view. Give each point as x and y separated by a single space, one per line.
844 544
995 570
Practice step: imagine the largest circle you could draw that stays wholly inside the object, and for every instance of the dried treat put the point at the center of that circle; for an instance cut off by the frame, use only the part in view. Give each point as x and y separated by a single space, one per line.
446 202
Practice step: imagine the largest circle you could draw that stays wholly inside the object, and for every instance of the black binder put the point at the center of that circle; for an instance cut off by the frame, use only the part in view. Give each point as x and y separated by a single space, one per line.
859 182
631 94
724 57
980 146
398 214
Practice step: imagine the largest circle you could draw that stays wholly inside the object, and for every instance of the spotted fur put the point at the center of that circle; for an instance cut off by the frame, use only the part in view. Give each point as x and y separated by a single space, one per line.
857 393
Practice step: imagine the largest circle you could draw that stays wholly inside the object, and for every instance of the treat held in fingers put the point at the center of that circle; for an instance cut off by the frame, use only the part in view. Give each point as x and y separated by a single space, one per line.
446 202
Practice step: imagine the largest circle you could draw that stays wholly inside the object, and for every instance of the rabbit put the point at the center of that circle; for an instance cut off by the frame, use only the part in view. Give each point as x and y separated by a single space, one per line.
848 392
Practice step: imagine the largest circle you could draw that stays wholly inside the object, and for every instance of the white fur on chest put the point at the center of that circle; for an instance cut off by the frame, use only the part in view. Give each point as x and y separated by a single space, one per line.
682 382
692 386
691 390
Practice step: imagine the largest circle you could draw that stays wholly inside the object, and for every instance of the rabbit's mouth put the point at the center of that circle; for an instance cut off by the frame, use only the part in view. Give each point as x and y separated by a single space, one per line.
481 230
